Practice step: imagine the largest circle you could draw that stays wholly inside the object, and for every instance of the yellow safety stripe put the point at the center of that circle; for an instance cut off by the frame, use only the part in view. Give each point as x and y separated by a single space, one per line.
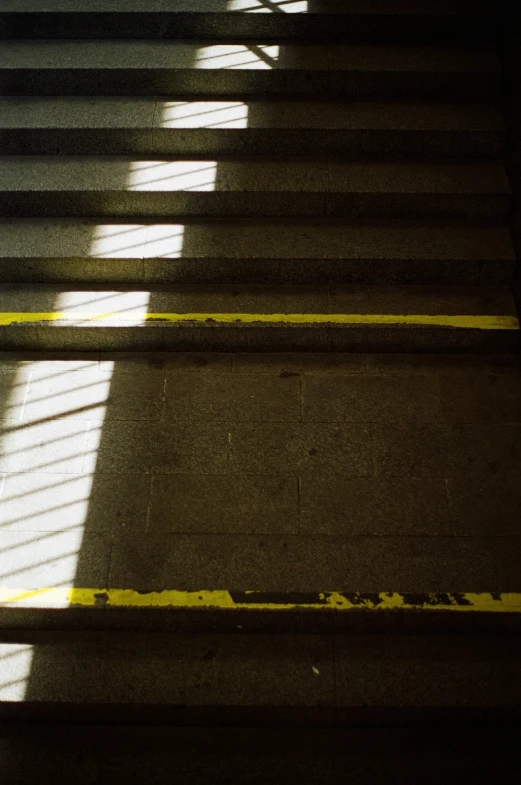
467 322
263 601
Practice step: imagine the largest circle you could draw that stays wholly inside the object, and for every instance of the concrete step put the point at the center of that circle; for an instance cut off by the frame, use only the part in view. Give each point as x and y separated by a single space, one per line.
405 20
126 755
175 69
119 126
76 252
235 188
242 680
290 318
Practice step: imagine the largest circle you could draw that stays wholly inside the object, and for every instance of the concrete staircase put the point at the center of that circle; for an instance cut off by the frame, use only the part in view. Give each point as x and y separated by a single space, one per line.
294 176
258 176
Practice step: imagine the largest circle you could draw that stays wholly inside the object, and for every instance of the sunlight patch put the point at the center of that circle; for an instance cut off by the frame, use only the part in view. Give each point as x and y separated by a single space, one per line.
133 305
204 114
118 241
269 6
251 56
45 502
165 241
15 669
172 176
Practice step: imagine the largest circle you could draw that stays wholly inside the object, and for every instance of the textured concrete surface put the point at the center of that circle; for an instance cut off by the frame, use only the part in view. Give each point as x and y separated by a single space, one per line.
427 7
234 188
98 319
371 251
107 126
292 679
268 472
167 68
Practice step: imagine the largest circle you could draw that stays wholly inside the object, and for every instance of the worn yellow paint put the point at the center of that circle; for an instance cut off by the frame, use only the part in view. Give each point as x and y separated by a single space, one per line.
224 600
468 322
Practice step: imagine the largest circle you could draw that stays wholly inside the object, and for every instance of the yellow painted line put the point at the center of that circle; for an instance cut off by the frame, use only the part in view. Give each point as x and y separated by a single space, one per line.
466 322
260 601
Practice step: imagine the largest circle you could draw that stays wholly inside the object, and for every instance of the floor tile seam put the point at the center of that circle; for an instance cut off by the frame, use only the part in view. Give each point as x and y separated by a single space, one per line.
102 419
229 452
458 427
268 534
329 205
471 426
303 373
49 532
28 386
149 503
109 563
374 459
154 136
231 473
404 421
143 259
122 538
450 506
164 388
87 434
299 505
3 480
112 550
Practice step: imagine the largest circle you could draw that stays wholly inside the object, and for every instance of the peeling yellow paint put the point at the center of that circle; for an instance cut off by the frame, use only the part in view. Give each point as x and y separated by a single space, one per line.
466 322
54 597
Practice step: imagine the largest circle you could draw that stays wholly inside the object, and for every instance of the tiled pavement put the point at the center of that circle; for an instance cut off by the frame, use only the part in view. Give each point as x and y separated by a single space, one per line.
266 472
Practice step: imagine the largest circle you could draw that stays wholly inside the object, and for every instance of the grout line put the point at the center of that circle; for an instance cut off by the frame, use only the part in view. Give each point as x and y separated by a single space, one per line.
153 129
163 396
373 451
26 396
149 503
109 566
87 433
229 453
299 505
328 170
3 478
450 506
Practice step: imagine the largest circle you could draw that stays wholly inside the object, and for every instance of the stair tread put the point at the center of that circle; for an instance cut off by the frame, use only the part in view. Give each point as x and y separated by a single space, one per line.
428 240
122 112
123 174
131 304
182 55
228 671
358 7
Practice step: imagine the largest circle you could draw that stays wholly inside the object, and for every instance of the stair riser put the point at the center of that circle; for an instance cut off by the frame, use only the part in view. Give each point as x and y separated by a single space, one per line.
321 338
179 206
370 29
213 142
256 271
335 84
275 622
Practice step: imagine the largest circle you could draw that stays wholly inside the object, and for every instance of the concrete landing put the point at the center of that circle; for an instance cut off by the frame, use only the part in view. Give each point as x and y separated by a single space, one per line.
269 473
